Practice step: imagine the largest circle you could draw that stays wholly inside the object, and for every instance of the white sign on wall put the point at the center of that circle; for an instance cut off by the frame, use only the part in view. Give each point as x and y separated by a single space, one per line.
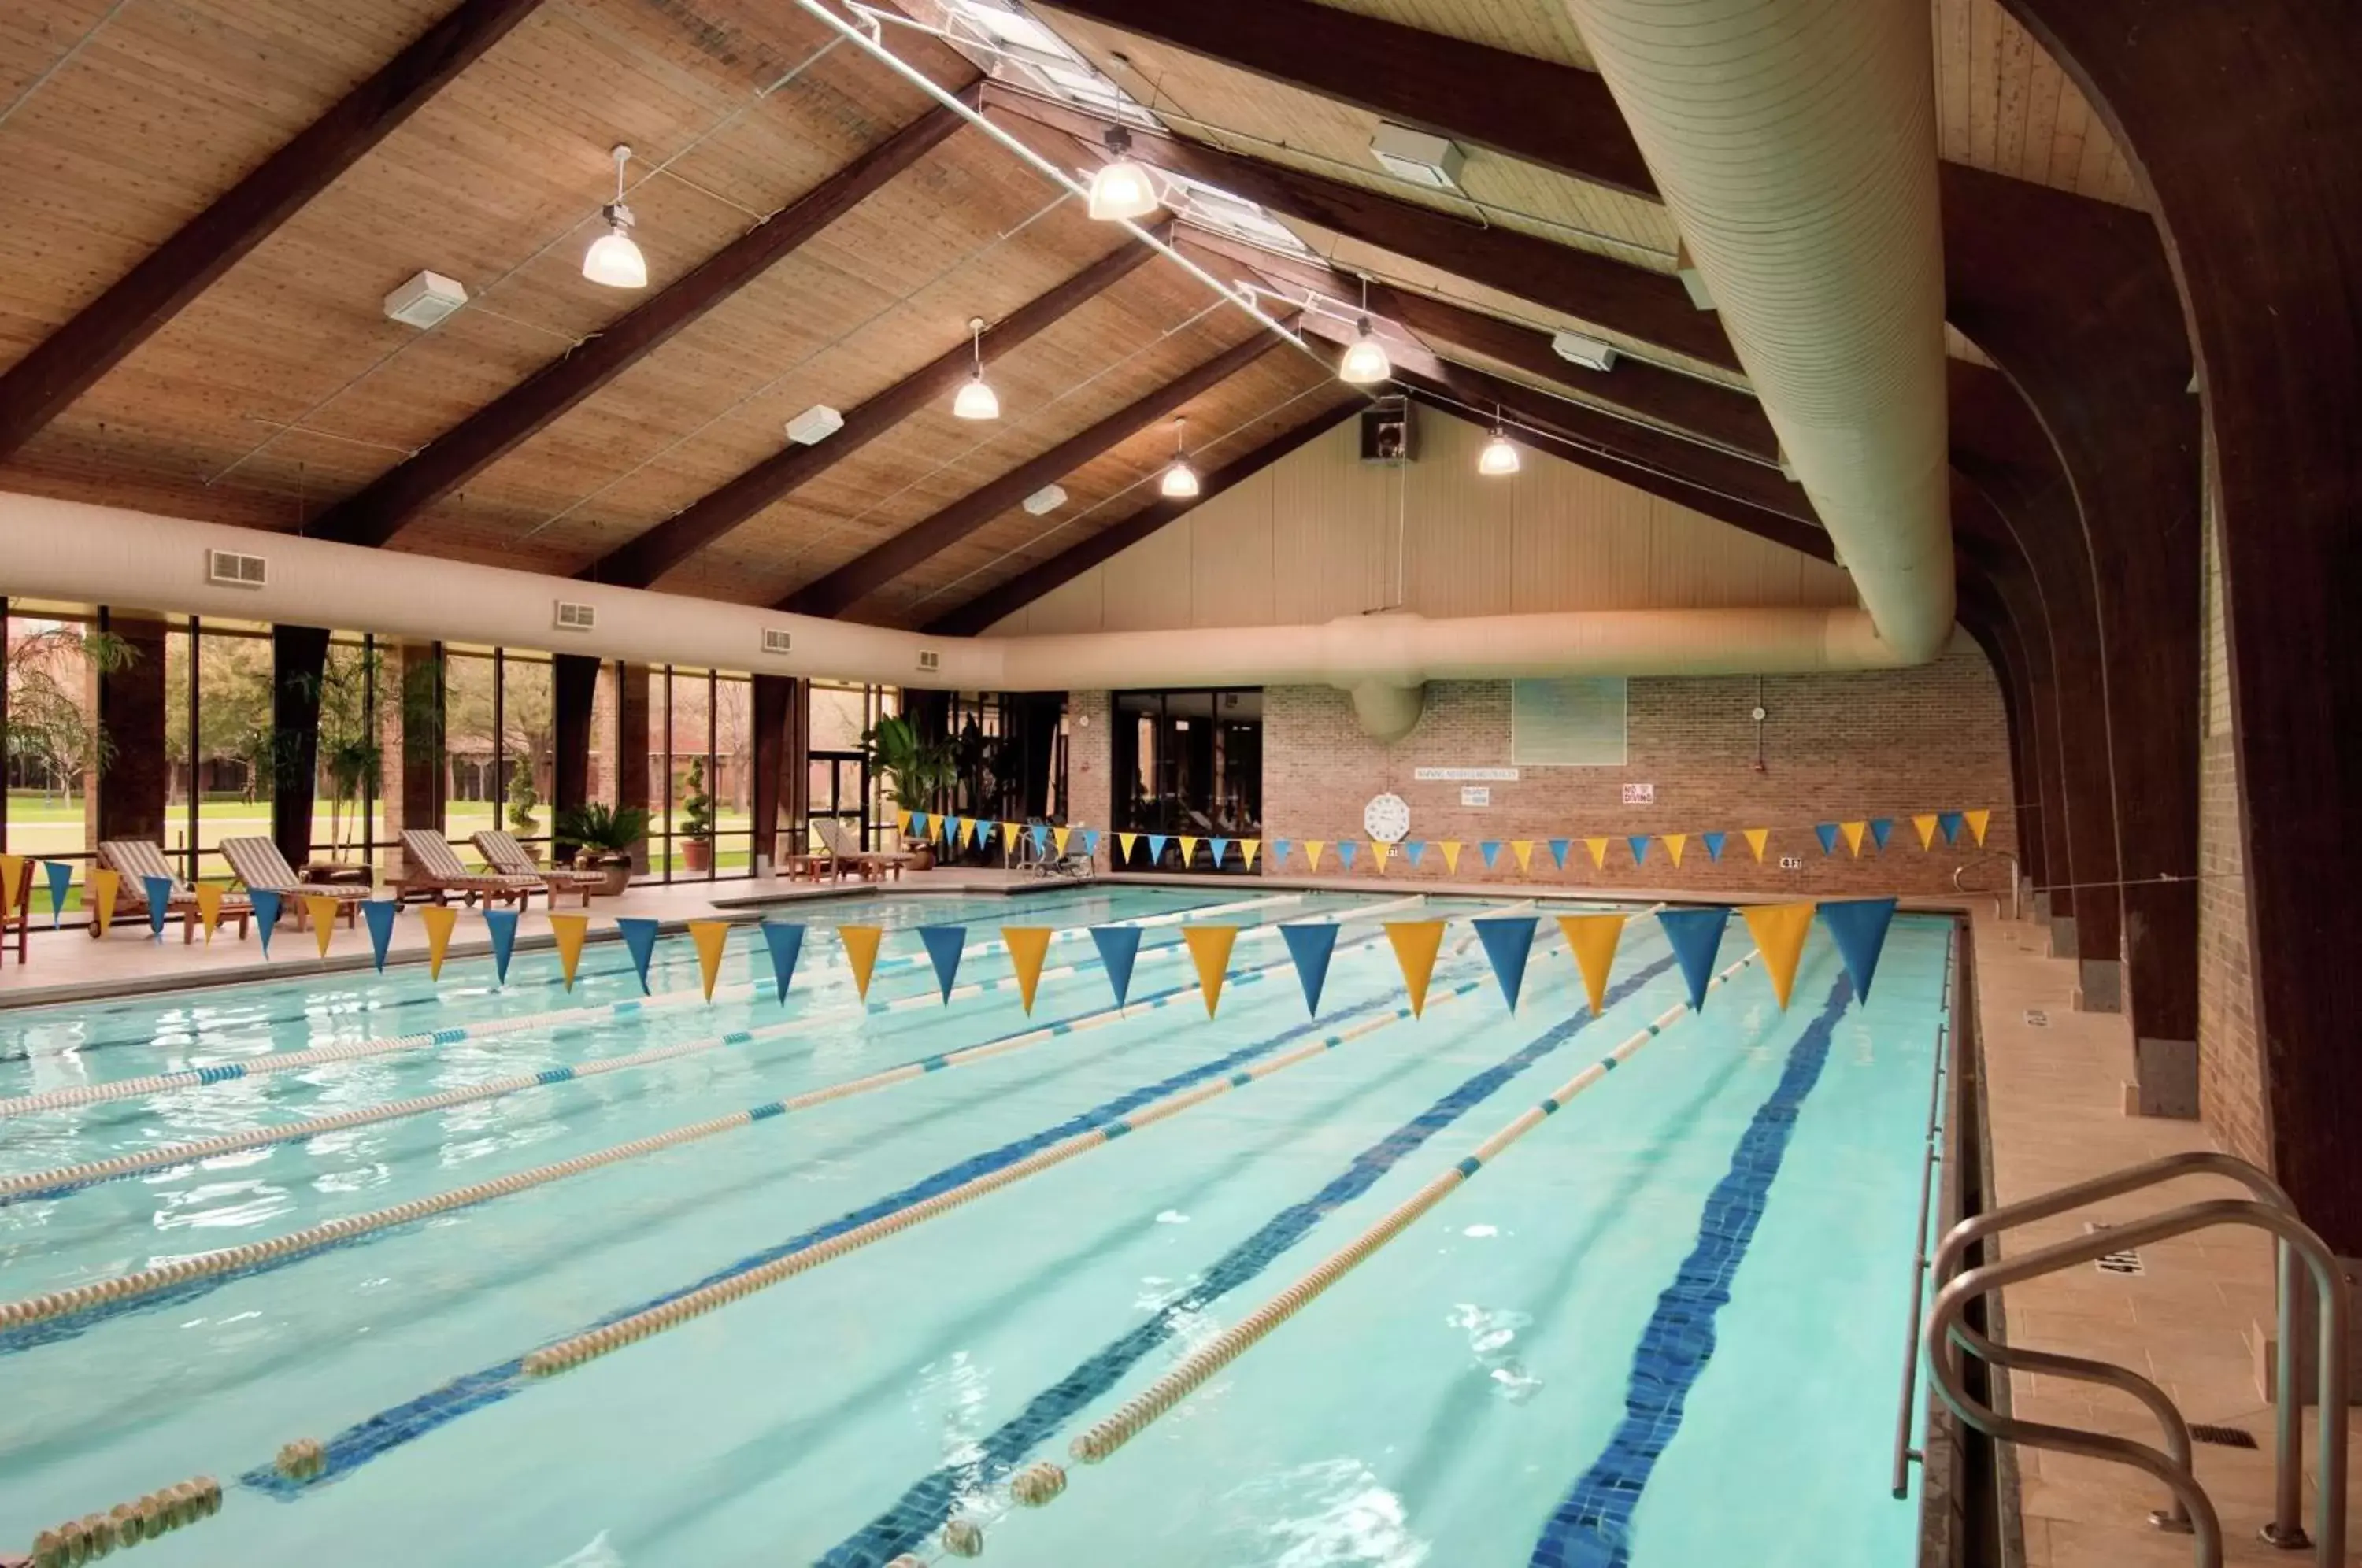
1463 775
1791 863
1475 795
1639 794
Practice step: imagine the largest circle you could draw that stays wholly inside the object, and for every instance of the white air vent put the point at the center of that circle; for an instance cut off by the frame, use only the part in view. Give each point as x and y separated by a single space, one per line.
1417 156
236 570
777 641
930 662
814 424
573 617
1588 352
425 300
1048 499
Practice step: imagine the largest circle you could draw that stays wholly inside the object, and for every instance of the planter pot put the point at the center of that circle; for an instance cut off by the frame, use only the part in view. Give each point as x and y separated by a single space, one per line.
922 856
617 869
697 853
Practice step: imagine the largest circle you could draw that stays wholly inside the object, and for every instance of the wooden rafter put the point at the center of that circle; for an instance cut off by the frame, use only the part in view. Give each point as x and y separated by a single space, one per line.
66 364
380 510
642 561
839 590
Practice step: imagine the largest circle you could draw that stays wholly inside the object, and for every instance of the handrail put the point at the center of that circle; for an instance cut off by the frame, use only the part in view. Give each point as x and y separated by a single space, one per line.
2013 882
1947 1323
1908 1403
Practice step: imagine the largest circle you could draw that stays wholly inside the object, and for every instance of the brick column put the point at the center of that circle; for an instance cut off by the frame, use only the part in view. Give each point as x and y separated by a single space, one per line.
1090 771
409 737
632 716
779 702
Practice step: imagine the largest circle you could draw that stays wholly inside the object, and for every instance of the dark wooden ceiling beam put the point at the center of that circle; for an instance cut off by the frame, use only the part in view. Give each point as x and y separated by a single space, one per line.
66 364
1649 307
380 510
1550 114
839 590
989 608
640 562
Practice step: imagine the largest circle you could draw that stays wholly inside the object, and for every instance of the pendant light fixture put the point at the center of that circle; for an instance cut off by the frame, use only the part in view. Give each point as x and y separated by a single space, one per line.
1366 362
1500 454
612 258
976 400
1180 482
1121 188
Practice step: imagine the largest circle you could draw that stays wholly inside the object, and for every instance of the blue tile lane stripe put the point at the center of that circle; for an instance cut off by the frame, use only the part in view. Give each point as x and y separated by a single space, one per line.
390 1428
1591 1528
912 1522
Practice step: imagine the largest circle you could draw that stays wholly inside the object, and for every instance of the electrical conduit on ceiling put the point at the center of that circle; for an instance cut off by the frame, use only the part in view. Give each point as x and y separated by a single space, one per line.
1794 141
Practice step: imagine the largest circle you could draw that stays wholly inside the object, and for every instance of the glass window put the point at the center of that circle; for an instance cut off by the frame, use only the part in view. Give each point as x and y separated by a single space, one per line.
470 744
1194 763
529 758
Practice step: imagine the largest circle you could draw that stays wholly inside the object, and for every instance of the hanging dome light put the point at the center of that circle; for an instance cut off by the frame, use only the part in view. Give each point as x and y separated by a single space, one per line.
1366 362
976 400
1500 454
613 259
1121 188
1180 481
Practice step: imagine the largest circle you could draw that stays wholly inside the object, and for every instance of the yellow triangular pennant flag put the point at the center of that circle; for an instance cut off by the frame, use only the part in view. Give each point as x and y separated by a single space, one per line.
1379 852
322 911
1058 837
1009 831
709 935
1599 847
1188 850
861 951
569 929
1976 820
1927 826
1756 839
440 921
100 892
1124 841
1450 847
1593 938
1312 848
1853 832
1247 846
1523 848
1779 932
209 903
1028 946
1210 949
901 821
939 827
1416 943
12 868
1674 842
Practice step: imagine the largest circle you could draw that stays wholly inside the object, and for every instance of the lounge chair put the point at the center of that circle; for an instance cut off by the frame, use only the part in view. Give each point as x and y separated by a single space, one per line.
138 860
430 867
258 863
504 855
843 850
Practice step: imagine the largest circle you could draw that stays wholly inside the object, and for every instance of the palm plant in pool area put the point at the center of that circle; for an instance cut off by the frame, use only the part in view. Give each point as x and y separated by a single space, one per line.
604 836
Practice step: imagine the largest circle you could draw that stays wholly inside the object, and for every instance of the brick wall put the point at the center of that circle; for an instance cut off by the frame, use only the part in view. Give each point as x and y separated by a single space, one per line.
1090 770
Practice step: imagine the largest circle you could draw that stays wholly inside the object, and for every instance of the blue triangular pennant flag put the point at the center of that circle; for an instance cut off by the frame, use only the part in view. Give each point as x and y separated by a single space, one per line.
266 915
1310 945
1414 847
1639 843
1880 827
919 820
1559 847
1279 853
1951 823
944 944
1156 842
1118 946
1090 841
160 901
1040 834
958 834
1346 850
1713 843
1827 833
61 876
786 942
1219 846
1508 940
1859 926
640 942
1695 936
379 913
503 923
1491 850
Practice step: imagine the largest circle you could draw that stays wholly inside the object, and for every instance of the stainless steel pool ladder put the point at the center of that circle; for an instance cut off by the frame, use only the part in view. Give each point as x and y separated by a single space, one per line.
2015 882
1949 1335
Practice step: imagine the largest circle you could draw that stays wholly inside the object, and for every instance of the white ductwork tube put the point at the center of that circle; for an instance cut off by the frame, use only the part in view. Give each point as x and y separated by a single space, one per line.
1794 141
103 554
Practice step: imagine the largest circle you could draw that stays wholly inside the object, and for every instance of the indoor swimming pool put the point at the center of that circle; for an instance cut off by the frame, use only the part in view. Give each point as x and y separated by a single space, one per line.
1663 1329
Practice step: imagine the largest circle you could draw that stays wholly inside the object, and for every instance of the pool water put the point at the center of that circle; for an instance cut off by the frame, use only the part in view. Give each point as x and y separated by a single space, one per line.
1663 1329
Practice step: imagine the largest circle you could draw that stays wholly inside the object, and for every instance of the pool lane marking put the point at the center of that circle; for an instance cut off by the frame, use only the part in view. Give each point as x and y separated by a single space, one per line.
568 1020
1102 1440
124 1290
1592 1527
912 1521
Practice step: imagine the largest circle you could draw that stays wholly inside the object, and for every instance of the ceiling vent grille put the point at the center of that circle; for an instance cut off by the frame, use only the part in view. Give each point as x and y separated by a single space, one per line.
575 617
929 661
775 641
236 570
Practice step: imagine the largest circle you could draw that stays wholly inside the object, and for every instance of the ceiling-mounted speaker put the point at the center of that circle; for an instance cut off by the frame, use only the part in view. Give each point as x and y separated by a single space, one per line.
425 299
1386 431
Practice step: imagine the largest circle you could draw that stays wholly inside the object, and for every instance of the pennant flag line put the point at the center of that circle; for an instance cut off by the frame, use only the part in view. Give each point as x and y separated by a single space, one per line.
710 936
1090 841
1881 828
861 954
640 942
1416 943
1523 848
1852 832
1779 932
100 889
61 876
12 872
1713 843
266 920
1950 822
1756 839
1189 842
1009 838
1450 848
1695 936
1312 848
1060 838
322 911
1278 852
1346 848
1378 852
1640 844
1599 847
1310 945
1028 946
1491 850
1926 829
1217 846
1558 849
1209 950
1416 849
786 943
570 931
503 925
439 920
1859 926
1123 843
1977 822
1674 842
1119 946
378 913
209 907
1593 938
160 902
1508 940
1156 842
1247 846
944 943
1827 833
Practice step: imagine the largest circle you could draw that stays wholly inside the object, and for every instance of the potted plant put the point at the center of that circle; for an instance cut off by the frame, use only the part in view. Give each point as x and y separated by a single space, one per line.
604 836
697 820
915 770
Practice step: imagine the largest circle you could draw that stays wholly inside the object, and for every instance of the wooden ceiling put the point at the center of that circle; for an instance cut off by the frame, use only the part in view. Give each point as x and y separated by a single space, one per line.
281 389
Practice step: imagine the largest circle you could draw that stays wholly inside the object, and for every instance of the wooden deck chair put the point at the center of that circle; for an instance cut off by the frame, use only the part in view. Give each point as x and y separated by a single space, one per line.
258 864
504 855
431 866
138 860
